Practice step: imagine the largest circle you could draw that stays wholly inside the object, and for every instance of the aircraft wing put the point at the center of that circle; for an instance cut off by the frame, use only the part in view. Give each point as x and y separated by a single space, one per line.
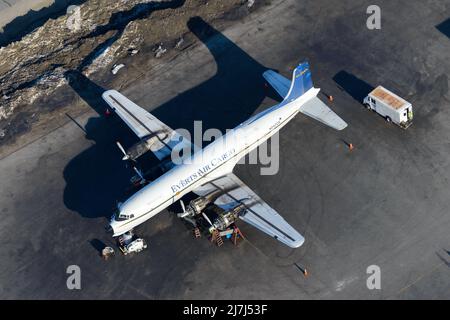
258 213
144 124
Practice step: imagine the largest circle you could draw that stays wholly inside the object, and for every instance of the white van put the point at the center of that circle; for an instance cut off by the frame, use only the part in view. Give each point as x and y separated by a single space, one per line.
390 106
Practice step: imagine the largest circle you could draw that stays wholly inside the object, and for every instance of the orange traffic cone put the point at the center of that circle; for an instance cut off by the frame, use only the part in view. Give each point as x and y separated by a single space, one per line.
107 112
302 270
329 97
351 147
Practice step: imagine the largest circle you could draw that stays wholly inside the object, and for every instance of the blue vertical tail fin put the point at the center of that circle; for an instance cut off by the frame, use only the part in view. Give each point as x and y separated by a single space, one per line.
301 82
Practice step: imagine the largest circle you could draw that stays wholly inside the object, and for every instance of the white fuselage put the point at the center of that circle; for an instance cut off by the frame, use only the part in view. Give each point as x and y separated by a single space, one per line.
214 161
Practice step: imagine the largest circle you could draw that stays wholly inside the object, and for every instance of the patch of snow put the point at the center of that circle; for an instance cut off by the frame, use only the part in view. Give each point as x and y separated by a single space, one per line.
160 51
132 51
116 68
179 43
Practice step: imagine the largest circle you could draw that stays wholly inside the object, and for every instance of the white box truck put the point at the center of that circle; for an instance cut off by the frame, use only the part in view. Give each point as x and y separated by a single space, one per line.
390 106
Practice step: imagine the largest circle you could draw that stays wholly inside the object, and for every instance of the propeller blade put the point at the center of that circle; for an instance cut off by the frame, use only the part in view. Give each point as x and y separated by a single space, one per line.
126 156
182 214
207 219
182 205
139 173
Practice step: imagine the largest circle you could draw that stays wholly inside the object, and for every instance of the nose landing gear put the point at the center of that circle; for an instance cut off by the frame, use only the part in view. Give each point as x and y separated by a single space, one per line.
129 243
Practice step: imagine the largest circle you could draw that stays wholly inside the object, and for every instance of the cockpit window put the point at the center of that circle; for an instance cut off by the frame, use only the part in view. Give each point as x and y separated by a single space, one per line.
122 217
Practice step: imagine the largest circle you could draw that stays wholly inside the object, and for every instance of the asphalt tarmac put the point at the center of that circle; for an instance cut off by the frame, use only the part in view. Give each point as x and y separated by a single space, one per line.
385 203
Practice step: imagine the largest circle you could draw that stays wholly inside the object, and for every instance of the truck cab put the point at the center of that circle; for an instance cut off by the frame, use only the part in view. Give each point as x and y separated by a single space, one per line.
370 103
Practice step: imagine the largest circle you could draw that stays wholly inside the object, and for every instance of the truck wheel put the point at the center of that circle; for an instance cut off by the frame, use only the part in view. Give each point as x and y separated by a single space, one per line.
388 120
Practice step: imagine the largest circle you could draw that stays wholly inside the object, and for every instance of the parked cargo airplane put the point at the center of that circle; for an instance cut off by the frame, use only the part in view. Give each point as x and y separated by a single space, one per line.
209 171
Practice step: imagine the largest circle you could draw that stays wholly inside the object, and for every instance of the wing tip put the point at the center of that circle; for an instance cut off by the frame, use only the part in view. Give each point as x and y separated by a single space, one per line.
298 243
268 72
107 92
342 126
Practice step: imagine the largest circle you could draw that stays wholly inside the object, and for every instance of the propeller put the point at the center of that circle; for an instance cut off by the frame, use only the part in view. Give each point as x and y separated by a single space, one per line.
126 156
185 215
139 173
207 219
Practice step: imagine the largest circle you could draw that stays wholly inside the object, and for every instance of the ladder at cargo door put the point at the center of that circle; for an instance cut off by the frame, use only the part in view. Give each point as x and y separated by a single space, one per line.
215 237
197 233
237 234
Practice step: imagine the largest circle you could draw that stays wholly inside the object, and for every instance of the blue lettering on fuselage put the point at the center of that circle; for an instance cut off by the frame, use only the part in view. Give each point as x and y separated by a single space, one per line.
184 183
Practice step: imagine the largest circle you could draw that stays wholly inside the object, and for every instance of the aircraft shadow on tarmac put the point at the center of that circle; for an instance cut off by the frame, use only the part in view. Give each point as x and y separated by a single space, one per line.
97 178
351 84
23 25
444 27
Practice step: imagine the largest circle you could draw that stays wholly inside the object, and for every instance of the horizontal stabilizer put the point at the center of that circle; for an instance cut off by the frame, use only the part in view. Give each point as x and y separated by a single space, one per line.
278 82
318 110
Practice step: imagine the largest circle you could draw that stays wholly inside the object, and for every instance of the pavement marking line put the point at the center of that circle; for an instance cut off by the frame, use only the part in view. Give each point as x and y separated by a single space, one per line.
74 121
43 136
420 278
140 292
